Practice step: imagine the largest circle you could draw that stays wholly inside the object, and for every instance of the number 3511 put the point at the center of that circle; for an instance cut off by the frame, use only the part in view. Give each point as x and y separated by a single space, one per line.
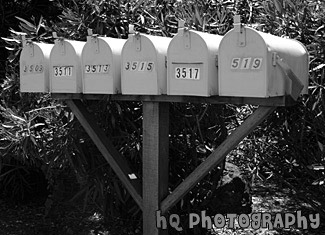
246 63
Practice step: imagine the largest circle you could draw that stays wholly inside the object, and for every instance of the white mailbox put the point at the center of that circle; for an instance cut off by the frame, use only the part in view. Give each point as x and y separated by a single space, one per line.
101 65
143 66
65 66
34 67
192 63
256 64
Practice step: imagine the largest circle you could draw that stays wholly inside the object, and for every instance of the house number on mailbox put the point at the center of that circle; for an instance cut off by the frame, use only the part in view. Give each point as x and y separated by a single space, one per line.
187 73
141 66
102 68
62 71
246 63
33 68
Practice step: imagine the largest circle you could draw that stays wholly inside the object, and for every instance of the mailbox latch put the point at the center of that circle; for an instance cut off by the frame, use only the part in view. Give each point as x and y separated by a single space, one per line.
31 49
183 31
60 42
28 42
187 39
239 28
136 37
94 40
137 41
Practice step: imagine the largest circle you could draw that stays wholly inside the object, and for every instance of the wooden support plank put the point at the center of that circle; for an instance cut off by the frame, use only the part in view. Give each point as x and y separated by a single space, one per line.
155 162
270 101
216 157
105 146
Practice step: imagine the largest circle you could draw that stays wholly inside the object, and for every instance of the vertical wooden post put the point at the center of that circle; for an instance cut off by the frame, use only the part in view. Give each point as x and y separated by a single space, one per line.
155 162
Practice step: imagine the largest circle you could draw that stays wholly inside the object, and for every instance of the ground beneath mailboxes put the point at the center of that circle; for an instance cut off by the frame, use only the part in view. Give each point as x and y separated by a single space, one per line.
31 220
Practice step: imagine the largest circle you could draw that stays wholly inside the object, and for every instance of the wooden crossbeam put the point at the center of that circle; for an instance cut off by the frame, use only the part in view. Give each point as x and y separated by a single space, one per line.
270 101
155 162
105 146
216 156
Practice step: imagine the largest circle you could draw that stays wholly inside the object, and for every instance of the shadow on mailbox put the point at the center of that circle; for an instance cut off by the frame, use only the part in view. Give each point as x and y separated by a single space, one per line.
256 64
65 66
143 66
34 66
191 63
101 64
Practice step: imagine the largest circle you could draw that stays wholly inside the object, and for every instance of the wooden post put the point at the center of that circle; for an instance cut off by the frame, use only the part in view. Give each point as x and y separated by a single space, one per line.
155 162
216 156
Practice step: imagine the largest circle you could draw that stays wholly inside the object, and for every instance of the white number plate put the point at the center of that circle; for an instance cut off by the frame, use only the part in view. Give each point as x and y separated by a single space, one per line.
62 71
187 73
102 68
33 68
246 63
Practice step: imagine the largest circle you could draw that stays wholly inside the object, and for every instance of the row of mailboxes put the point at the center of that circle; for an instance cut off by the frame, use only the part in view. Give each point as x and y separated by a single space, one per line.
244 62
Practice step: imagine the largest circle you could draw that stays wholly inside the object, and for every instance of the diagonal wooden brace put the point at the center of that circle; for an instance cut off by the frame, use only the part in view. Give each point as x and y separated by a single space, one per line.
117 162
216 156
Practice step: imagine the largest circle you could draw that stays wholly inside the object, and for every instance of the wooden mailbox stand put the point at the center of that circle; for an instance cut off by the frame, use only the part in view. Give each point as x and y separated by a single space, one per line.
151 194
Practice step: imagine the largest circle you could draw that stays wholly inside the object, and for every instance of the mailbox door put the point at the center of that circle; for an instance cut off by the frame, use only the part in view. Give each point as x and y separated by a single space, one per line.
192 64
139 67
101 63
34 67
97 67
243 68
65 67
187 65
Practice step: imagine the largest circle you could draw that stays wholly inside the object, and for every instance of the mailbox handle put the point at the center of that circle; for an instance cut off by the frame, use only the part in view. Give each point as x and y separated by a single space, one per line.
296 86
28 42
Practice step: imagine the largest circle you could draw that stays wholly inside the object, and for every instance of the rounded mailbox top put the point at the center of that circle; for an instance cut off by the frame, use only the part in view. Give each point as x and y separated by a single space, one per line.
142 42
199 43
249 36
95 45
64 47
36 49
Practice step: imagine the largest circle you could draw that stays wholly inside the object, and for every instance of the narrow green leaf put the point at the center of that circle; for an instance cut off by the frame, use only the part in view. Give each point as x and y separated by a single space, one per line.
27 23
17 33
10 48
197 15
39 24
10 40
321 146
316 167
18 118
33 140
278 6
